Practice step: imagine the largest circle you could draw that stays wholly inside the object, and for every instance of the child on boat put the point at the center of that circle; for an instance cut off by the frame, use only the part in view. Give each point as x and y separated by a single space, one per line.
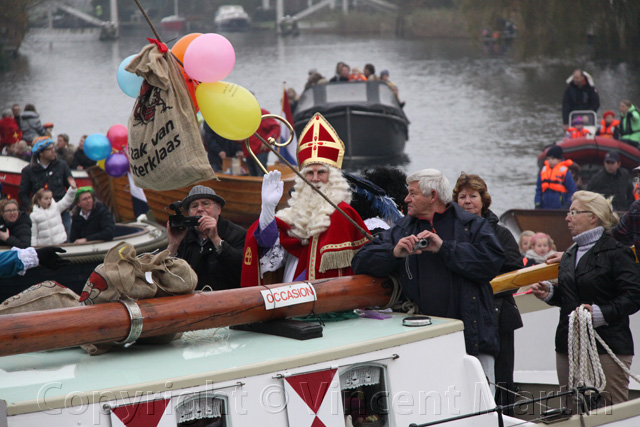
525 241
47 227
542 247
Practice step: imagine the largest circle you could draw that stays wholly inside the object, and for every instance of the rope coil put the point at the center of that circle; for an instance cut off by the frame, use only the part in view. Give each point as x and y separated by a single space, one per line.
584 362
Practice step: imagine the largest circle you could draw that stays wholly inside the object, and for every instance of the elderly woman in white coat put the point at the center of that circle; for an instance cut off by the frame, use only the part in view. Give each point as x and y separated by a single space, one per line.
47 227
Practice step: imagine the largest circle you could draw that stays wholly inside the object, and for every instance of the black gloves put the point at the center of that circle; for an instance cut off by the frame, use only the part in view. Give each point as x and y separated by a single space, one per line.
48 257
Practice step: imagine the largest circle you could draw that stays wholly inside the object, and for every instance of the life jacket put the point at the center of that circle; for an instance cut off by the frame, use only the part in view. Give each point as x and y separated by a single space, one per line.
607 131
625 127
357 77
553 179
575 133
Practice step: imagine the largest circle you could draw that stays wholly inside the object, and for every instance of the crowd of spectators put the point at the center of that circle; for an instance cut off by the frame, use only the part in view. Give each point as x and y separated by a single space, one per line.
41 214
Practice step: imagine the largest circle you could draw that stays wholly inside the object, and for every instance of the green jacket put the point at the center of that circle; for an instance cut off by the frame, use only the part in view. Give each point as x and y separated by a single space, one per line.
630 125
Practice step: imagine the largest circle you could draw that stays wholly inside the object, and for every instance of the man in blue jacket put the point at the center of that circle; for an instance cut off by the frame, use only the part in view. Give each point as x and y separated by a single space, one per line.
450 277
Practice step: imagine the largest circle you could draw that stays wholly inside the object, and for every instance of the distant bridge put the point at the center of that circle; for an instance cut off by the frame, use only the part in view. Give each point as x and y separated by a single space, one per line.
108 29
315 6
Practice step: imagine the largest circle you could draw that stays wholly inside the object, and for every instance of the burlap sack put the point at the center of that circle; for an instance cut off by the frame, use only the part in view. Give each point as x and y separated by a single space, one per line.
172 276
43 296
148 275
145 276
165 147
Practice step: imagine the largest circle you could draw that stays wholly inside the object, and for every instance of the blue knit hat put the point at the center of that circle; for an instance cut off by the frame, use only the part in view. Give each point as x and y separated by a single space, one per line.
40 143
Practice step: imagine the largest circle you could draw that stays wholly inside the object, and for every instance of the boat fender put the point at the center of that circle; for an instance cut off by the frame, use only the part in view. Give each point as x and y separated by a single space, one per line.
416 321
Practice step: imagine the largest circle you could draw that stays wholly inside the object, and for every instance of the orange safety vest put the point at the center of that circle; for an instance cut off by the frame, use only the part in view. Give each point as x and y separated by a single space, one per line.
575 133
357 77
607 131
553 179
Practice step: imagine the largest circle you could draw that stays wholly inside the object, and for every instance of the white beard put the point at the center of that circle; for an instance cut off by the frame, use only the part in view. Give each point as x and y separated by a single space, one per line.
308 213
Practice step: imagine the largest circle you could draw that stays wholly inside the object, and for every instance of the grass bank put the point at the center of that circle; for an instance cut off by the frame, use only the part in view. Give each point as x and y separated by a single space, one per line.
420 23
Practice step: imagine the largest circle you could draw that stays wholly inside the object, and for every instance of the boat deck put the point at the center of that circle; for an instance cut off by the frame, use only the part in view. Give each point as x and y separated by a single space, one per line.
28 381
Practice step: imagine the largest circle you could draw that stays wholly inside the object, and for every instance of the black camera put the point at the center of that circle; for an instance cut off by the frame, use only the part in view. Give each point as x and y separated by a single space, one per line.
421 244
179 221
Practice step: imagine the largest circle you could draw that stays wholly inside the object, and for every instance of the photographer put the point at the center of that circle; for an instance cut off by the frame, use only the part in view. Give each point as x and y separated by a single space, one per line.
450 276
214 246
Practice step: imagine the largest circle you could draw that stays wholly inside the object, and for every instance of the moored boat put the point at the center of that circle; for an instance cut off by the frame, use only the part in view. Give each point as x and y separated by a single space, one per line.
11 173
232 18
85 257
366 115
173 23
243 195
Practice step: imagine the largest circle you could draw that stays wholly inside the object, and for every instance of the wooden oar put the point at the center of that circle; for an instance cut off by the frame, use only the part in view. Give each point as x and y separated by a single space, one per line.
103 323
524 276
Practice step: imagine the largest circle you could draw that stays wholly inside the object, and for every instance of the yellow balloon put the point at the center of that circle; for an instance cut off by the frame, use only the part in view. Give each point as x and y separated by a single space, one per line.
101 163
231 110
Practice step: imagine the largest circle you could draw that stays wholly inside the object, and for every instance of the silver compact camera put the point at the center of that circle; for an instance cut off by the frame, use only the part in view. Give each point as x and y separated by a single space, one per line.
421 244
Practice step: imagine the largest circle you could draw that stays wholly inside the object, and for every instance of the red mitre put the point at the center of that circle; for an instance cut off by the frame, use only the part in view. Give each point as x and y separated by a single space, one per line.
320 143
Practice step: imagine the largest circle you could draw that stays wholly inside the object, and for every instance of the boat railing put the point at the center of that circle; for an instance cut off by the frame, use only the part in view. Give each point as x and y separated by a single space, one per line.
584 395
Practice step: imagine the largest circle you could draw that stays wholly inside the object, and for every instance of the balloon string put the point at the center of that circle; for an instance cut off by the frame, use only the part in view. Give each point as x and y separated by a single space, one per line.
146 17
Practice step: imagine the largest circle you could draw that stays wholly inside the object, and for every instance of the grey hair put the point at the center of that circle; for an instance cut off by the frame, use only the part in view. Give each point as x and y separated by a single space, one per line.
432 179
7 113
600 207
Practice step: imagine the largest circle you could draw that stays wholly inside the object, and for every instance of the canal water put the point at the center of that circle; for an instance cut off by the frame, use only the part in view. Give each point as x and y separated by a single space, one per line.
471 110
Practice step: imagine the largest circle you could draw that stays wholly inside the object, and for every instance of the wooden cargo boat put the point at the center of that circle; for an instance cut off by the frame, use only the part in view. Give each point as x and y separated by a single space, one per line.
366 115
243 195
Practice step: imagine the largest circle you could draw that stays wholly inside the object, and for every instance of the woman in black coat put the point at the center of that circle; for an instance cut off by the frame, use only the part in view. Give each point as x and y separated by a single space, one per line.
15 225
472 195
599 274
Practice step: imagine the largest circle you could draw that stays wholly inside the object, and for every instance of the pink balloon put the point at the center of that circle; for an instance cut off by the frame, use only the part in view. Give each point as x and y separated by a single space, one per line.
118 137
209 58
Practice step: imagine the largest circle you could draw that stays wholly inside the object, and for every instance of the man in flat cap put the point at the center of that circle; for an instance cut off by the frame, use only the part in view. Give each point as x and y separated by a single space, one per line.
214 247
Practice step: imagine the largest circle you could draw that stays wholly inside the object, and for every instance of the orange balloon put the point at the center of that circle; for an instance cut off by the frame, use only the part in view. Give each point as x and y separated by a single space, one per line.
181 45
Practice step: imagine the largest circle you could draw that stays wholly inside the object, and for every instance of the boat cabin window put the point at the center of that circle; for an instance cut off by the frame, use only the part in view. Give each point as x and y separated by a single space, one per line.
346 93
202 410
365 395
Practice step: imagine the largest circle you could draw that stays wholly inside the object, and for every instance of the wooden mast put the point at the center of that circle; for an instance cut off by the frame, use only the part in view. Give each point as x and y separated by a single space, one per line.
110 322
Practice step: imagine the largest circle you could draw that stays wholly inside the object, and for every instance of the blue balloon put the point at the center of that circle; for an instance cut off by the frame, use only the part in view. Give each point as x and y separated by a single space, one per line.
129 82
97 146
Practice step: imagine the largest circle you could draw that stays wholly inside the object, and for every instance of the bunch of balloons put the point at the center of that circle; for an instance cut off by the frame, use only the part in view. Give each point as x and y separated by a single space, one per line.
229 109
109 151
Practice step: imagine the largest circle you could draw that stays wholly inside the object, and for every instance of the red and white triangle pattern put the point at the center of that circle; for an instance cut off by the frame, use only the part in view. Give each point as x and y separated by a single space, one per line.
314 399
156 413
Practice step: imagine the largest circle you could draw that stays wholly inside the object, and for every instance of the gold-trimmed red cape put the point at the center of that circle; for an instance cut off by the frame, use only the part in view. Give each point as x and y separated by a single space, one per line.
326 255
